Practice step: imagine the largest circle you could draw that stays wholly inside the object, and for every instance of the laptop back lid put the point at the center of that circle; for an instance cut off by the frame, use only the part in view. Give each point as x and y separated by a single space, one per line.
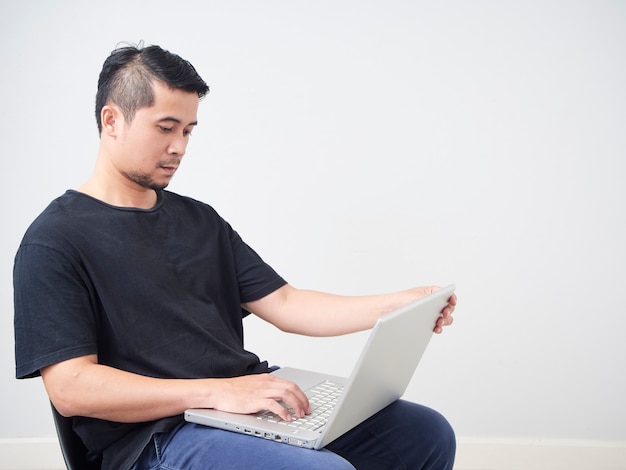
387 362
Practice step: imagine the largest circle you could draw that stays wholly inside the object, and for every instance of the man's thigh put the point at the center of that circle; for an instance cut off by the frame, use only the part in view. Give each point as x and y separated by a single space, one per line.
403 435
191 446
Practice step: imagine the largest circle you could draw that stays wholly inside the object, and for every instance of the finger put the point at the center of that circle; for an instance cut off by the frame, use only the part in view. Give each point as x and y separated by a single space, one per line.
288 394
448 309
297 400
446 319
438 325
442 321
278 409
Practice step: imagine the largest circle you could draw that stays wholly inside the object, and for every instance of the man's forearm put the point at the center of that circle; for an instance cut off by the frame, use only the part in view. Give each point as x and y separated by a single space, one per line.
82 387
319 314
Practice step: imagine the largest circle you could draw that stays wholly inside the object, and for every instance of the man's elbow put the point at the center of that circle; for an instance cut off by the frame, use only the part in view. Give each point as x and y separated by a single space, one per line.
62 385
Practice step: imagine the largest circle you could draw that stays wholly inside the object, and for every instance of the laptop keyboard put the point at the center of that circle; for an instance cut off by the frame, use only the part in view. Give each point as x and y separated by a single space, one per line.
322 398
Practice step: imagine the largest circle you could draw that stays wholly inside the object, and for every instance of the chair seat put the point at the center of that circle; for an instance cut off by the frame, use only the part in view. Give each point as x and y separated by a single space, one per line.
72 447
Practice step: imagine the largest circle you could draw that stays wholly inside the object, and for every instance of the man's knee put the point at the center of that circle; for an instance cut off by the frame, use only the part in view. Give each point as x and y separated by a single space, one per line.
403 435
432 441
433 431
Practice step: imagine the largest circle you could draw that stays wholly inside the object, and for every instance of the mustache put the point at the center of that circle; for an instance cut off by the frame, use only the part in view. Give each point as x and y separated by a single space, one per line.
170 162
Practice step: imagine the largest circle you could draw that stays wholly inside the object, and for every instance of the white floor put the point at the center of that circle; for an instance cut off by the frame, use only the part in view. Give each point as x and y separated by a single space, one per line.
472 454
519 454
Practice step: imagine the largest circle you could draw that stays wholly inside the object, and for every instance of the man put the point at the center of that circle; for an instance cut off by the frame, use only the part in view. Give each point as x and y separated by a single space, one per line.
129 303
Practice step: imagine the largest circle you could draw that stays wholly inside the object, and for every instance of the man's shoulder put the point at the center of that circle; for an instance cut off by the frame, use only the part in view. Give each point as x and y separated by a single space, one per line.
188 202
182 199
69 204
58 217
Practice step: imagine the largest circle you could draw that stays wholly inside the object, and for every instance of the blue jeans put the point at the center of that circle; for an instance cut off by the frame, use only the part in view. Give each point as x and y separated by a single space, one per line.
402 436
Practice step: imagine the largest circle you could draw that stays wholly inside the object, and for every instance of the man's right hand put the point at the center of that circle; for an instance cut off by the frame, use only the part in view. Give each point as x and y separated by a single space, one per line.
257 392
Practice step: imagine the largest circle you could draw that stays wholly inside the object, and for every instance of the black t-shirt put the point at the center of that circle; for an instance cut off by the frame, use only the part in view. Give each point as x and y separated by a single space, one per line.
156 292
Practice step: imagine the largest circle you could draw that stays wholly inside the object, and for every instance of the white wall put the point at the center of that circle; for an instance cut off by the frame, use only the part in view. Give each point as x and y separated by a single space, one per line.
364 146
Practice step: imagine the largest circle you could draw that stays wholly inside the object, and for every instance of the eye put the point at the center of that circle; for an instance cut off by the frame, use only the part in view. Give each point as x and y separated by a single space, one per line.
166 129
186 132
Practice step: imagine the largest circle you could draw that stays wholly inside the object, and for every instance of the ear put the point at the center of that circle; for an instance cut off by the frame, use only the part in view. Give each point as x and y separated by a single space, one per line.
112 120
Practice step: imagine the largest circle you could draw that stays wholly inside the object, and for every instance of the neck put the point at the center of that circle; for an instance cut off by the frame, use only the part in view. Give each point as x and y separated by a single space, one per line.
142 199
108 185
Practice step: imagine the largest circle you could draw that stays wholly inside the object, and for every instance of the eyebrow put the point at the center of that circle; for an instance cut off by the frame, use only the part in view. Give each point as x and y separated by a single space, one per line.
176 120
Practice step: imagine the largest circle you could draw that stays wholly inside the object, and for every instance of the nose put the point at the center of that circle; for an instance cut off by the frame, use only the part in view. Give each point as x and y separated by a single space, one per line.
177 146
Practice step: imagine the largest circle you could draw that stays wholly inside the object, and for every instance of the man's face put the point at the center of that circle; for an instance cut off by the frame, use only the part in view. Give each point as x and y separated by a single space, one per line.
149 148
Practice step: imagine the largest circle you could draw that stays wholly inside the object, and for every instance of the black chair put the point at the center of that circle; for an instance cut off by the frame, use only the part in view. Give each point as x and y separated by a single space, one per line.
72 447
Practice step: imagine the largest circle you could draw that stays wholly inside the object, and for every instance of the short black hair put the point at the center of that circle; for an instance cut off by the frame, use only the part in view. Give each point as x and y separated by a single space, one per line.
128 74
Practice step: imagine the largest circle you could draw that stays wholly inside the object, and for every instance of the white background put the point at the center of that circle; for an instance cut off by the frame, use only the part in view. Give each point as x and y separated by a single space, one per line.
368 146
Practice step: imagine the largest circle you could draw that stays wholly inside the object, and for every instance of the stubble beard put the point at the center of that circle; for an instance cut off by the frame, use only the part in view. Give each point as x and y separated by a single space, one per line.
144 180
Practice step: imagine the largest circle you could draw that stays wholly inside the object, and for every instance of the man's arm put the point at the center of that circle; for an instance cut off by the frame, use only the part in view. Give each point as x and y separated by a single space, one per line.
82 387
319 314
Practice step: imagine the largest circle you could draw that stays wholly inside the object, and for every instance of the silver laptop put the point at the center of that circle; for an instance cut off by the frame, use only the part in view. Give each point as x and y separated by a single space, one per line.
381 376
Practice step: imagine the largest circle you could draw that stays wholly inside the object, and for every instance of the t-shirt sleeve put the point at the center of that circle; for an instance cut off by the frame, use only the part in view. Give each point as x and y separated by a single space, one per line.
255 277
53 312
